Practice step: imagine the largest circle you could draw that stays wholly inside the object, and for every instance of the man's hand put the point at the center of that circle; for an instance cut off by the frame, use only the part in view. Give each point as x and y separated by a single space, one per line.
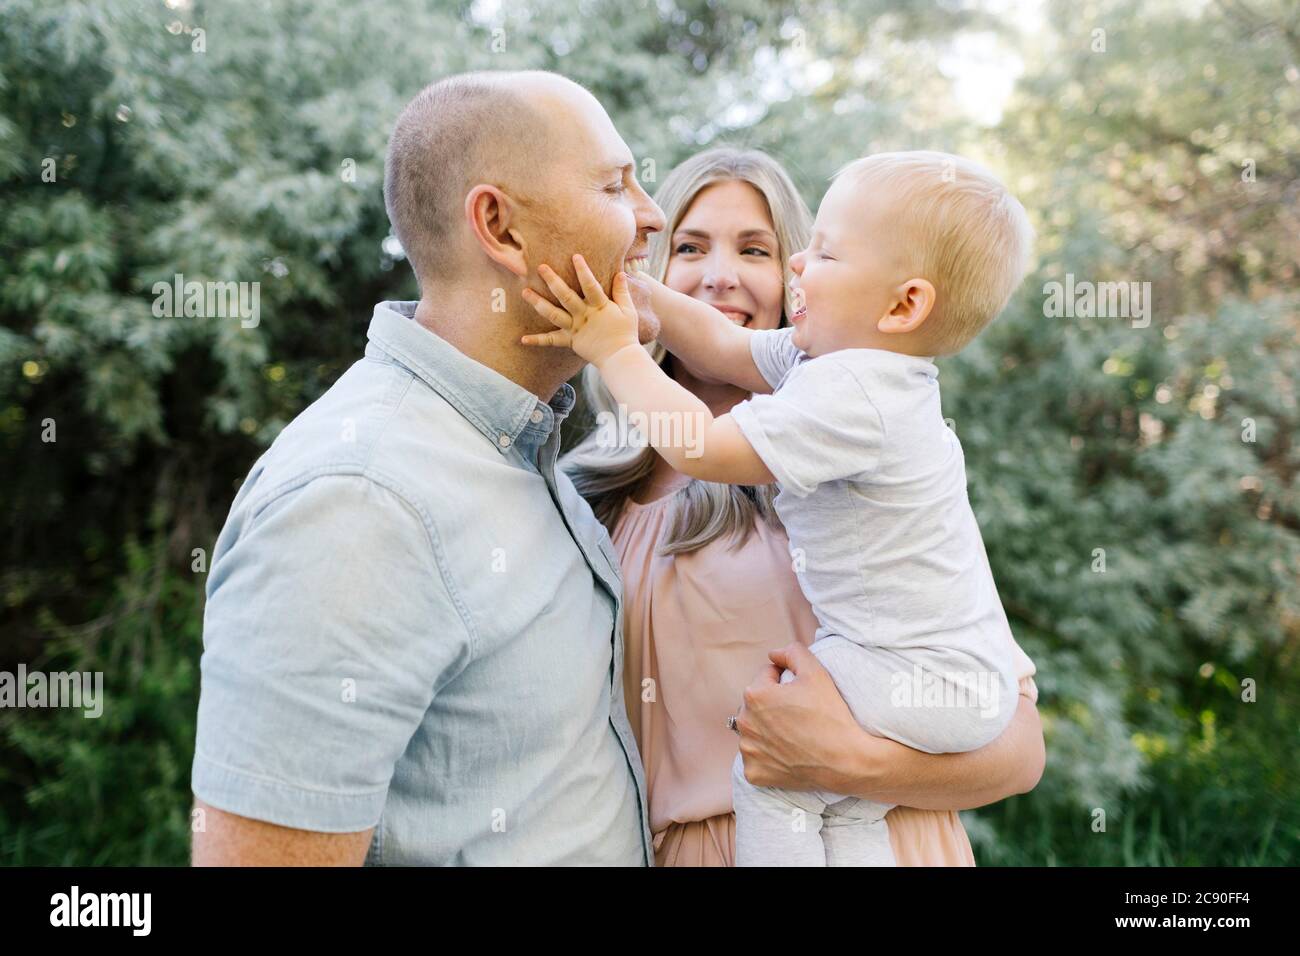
792 735
801 736
590 324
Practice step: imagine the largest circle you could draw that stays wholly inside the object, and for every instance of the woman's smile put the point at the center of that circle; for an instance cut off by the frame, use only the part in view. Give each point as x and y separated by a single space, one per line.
736 314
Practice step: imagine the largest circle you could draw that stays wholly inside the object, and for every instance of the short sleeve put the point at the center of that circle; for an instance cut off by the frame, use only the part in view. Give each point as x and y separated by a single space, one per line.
774 353
1024 671
819 426
327 633
1029 689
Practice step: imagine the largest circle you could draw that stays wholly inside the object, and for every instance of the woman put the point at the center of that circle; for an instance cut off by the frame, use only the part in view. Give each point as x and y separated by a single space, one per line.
708 581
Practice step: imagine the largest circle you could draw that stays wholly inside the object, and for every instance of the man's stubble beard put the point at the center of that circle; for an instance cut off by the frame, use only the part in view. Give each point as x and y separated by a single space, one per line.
557 251
556 248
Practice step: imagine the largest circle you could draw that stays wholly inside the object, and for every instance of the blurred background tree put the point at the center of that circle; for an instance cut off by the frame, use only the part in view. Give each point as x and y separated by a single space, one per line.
244 141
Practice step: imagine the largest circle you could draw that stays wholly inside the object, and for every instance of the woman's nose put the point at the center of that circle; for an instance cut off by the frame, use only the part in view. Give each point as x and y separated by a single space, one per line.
720 277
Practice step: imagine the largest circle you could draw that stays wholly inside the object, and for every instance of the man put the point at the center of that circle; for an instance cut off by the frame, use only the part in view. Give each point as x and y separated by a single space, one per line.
412 647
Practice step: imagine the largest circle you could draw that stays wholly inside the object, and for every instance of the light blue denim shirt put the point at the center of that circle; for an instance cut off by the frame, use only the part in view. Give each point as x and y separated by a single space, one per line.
414 623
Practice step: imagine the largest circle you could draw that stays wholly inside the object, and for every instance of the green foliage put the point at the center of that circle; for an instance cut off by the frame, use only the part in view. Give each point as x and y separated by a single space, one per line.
111 789
1171 447
1219 794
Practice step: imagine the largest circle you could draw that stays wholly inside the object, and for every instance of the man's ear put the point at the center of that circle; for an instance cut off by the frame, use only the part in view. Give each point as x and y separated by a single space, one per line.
912 304
491 216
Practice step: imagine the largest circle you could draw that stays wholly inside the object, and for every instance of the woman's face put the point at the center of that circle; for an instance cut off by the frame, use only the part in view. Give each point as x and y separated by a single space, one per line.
724 252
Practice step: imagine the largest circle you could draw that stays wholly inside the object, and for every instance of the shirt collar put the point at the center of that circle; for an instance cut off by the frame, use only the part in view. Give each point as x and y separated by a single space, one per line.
506 413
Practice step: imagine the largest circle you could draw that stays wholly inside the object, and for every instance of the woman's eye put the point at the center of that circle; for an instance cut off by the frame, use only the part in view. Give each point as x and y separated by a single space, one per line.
685 248
759 250
616 188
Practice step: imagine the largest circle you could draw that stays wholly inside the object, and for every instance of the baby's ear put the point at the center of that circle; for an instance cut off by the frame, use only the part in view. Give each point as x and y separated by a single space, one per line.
912 304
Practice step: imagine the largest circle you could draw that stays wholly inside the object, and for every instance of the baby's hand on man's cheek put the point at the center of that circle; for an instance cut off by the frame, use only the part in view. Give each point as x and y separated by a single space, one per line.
591 324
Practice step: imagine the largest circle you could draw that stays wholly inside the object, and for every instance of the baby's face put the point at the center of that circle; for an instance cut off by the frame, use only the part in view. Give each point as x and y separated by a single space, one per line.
848 272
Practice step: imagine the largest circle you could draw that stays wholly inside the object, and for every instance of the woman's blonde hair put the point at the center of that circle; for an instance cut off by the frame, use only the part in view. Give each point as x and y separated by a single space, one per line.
607 476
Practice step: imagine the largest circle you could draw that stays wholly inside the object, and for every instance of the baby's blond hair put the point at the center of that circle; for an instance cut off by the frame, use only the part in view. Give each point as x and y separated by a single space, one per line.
969 236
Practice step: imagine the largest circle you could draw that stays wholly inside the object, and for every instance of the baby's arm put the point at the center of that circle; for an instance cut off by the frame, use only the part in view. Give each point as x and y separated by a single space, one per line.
703 336
679 426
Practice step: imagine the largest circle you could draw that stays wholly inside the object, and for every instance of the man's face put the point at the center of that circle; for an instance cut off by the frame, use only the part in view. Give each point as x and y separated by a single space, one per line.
593 201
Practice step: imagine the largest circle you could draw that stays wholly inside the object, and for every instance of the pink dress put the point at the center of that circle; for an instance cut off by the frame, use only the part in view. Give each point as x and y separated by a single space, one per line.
697 630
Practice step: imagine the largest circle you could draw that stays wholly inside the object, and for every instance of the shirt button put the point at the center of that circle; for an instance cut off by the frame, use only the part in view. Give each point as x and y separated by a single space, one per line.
536 416
504 440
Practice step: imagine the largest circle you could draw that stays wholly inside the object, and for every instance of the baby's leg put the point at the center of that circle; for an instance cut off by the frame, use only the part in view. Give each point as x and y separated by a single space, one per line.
854 833
931 700
775 827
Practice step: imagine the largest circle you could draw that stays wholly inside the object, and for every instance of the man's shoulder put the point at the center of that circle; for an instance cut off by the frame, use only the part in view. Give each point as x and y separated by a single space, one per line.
378 422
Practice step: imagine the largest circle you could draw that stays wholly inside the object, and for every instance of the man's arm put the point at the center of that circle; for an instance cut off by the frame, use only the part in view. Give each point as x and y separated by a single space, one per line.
308 697
889 772
227 839
703 336
802 736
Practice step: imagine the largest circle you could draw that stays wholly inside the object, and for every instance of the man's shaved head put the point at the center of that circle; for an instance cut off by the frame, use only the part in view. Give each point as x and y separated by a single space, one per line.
471 128
492 174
